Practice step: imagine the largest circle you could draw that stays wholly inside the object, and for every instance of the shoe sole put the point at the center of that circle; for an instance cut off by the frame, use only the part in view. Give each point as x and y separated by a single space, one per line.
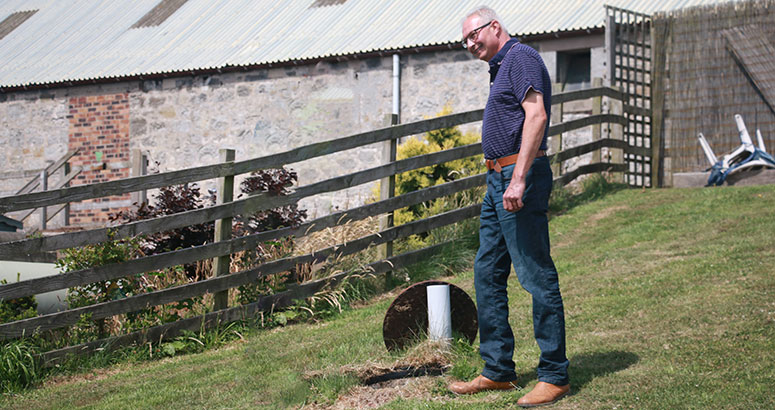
480 391
513 387
544 404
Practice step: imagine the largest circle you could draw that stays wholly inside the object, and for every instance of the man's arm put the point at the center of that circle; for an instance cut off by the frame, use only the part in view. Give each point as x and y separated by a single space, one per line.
532 135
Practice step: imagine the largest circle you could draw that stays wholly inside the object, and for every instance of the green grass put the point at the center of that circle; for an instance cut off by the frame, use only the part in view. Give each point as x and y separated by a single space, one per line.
18 367
670 303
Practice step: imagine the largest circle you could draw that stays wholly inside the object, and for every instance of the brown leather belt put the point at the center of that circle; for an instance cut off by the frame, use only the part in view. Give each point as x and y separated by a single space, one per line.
498 164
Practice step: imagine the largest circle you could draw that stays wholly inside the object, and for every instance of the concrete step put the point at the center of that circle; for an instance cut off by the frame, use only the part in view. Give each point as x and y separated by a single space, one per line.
743 178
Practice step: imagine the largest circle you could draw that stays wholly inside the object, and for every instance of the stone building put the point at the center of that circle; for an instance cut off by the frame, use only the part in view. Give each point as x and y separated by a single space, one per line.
177 80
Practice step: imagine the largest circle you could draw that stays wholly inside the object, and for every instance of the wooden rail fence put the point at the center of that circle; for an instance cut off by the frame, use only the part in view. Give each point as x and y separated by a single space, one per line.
28 249
42 182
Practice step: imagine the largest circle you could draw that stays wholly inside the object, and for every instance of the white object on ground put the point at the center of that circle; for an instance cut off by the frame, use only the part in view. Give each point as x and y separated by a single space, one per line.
439 313
745 156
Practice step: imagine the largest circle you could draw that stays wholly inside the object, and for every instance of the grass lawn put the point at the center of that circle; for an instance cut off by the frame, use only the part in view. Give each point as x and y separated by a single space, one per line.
669 298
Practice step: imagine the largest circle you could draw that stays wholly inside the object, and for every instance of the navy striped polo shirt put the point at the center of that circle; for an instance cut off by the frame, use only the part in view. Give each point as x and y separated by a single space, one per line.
513 71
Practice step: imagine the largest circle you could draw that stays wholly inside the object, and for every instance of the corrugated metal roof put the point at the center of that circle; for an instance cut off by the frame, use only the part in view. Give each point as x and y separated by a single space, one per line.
76 40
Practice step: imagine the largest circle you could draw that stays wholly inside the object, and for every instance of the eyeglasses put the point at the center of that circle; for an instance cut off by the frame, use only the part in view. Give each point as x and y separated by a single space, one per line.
474 34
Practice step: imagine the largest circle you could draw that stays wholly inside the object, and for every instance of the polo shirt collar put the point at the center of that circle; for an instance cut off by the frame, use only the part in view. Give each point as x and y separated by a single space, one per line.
495 62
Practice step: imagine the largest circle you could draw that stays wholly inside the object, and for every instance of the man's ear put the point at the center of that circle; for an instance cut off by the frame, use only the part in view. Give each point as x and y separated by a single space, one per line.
498 27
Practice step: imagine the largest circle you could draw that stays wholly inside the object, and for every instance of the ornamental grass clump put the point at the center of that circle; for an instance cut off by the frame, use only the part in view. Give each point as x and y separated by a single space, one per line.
19 367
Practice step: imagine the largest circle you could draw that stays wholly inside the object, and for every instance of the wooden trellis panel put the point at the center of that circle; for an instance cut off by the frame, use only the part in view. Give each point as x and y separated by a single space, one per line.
628 39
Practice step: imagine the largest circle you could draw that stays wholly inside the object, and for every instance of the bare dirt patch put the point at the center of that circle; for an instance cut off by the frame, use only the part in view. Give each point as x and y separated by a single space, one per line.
413 377
379 394
90 376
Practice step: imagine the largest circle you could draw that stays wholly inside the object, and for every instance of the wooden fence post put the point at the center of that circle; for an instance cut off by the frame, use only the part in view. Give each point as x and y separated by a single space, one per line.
223 229
66 209
43 209
661 174
617 132
597 108
139 168
556 142
388 190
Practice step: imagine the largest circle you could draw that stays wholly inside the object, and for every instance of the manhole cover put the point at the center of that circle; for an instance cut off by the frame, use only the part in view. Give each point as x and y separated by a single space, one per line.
406 320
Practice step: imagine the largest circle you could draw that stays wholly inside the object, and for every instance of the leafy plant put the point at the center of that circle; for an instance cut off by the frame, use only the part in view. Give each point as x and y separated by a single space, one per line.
434 141
273 182
84 330
108 252
193 342
19 367
17 309
171 200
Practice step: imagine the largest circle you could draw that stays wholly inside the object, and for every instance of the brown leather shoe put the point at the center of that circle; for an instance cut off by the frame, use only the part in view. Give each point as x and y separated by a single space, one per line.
481 383
543 394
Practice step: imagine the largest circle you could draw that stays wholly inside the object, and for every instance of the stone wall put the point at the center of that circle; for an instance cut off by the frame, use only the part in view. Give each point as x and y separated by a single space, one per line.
33 133
181 122
269 111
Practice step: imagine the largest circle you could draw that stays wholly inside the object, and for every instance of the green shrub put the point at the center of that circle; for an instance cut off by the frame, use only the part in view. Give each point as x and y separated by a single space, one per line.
90 256
108 252
17 309
435 141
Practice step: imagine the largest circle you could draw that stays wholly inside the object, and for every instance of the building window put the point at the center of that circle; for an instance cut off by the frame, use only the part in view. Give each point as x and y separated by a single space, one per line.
10 23
158 14
573 69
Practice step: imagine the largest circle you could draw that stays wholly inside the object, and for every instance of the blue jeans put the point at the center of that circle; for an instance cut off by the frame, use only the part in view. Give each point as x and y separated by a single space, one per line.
522 238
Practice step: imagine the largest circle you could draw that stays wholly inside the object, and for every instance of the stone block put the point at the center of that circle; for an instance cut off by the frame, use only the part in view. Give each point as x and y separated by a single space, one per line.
744 178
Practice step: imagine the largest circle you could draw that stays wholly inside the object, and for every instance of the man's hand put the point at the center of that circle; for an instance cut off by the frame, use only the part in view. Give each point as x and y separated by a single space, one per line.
512 198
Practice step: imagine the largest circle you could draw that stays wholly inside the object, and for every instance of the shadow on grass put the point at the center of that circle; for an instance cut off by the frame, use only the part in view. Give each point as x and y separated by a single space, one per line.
587 366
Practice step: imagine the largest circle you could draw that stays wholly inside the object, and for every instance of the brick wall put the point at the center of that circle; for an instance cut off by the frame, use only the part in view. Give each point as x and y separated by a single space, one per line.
99 129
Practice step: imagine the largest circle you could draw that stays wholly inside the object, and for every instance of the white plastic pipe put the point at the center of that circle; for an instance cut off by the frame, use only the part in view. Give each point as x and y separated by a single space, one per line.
439 316
397 85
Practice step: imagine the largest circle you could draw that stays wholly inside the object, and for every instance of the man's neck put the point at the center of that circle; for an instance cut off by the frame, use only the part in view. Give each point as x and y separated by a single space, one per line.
502 40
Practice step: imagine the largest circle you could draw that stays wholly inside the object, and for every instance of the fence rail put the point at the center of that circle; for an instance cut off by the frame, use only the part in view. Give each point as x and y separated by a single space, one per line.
20 250
127 185
277 301
35 182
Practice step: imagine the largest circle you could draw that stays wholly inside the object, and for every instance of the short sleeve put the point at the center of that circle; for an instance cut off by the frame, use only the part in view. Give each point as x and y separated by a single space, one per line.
525 73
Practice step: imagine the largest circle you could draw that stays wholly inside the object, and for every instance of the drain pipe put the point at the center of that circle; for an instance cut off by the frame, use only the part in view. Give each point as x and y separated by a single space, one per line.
396 119
387 185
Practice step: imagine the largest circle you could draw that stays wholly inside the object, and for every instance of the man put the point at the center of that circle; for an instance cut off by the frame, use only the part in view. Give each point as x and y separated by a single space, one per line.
514 225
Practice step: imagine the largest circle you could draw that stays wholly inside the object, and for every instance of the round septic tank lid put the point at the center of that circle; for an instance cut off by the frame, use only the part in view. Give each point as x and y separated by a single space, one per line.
406 320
